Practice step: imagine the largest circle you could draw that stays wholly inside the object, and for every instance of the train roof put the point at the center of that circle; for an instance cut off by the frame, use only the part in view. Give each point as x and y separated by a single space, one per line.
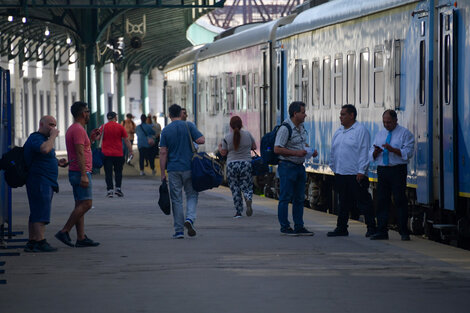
186 57
336 11
256 35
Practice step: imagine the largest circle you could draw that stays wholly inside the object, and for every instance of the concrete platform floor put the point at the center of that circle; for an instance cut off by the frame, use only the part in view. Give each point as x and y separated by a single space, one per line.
232 265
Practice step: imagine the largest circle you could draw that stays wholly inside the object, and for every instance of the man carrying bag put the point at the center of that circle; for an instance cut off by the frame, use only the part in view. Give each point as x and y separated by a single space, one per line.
175 157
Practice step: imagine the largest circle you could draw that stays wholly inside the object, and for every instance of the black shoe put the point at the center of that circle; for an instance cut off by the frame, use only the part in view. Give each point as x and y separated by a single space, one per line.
64 237
30 246
303 232
189 226
237 215
44 246
87 242
370 231
288 232
379 236
118 192
405 237
338 232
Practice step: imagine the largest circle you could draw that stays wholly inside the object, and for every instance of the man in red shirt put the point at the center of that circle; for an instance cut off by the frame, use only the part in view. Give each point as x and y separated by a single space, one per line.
113 134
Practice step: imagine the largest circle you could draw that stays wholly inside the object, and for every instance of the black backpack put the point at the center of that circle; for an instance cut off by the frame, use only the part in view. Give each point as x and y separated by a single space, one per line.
14 165
267 145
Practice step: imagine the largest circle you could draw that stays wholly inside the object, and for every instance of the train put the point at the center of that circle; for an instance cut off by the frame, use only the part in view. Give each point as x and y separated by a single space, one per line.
406 55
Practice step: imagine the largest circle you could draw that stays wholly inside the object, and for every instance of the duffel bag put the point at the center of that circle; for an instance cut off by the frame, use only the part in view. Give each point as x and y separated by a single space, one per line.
206 173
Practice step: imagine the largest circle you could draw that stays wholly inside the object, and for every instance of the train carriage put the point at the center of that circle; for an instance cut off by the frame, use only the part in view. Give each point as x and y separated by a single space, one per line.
406 55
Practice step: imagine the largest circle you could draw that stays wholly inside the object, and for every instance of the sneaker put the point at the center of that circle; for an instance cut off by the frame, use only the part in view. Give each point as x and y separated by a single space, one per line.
303 232
64 237
30 246
190 227
288 232
87 242
110 194
44 246
154 172
178 235
237 215
142 173
337 233
249 209
118 192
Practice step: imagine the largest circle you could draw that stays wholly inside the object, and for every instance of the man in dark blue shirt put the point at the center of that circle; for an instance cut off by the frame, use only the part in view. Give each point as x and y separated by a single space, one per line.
42 164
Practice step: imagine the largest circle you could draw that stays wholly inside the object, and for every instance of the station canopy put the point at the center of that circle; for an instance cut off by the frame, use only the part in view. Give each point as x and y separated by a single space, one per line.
133 34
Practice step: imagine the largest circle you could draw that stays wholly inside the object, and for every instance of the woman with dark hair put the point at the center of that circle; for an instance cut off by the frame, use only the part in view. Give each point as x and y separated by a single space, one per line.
237 146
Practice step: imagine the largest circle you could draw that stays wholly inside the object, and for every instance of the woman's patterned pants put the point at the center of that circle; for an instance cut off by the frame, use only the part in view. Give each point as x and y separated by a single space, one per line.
240 181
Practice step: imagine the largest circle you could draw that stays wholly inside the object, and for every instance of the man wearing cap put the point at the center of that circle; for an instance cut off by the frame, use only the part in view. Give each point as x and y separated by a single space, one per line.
113 134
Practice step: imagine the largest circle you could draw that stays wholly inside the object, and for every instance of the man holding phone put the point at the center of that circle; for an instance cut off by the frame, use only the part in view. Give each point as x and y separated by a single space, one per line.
350 163
393 147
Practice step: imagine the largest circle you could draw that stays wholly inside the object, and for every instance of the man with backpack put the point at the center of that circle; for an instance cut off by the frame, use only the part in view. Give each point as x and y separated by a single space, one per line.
290 145
41 182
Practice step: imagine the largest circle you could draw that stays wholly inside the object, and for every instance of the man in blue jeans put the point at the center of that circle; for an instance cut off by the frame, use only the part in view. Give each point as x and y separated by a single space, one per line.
291 149
175 157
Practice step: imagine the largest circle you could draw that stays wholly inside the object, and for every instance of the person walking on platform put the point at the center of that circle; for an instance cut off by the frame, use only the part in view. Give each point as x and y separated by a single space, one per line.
129 125
80 158
392 149
350 163
157 128
237 147
42 182
113 136
290 144
145 142
175 156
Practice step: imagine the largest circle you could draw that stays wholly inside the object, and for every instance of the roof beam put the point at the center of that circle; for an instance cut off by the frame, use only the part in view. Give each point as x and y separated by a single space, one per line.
112 4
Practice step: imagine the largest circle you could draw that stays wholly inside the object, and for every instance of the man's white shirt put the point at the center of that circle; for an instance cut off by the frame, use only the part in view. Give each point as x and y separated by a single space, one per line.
401 139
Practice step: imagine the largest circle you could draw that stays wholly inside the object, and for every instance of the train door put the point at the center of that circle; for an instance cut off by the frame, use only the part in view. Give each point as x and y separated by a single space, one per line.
424 108
281 74
265 105
447 107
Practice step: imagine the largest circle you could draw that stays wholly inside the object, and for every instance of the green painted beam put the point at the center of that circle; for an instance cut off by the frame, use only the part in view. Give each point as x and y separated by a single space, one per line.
111 4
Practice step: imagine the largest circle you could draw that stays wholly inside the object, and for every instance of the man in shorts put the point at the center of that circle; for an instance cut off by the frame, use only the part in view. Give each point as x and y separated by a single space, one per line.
41 183
80 158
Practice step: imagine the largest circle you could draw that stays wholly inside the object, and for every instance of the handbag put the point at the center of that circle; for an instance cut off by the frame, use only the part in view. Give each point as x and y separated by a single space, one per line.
258 166
97 155
206 173
164 198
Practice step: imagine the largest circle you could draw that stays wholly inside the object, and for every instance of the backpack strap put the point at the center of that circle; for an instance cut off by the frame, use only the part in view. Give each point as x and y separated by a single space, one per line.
289 128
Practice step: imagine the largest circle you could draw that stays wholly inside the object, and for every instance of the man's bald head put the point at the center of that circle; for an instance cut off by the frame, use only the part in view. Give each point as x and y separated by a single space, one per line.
46 124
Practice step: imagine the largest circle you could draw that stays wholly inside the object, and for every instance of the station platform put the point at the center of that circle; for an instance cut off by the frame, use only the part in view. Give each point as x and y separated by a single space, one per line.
230 266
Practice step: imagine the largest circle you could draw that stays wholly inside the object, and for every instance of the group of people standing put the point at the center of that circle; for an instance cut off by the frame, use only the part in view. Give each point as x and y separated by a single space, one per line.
350 156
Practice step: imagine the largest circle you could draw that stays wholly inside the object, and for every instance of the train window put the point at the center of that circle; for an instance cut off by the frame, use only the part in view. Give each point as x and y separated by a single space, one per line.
316 83
244 93
297 79
169 95
397 61
378 78
220 95
305 82
422 72
200 88
447 73
238 93
256 93
184 94
231 93
250 91
326 82
207 97
338 80
351 79
364 79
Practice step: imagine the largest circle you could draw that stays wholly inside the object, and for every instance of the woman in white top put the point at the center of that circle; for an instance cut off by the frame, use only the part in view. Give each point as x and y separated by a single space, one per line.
237 146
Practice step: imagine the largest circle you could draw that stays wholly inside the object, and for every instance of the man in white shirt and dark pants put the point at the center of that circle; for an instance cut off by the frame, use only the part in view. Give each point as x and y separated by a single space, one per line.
392 148
349 161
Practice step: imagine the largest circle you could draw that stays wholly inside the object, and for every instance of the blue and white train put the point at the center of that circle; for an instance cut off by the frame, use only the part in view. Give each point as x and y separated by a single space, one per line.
411 56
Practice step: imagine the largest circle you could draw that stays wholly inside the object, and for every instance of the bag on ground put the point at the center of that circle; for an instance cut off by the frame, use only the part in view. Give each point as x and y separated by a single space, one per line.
267 145
14 165
164 200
